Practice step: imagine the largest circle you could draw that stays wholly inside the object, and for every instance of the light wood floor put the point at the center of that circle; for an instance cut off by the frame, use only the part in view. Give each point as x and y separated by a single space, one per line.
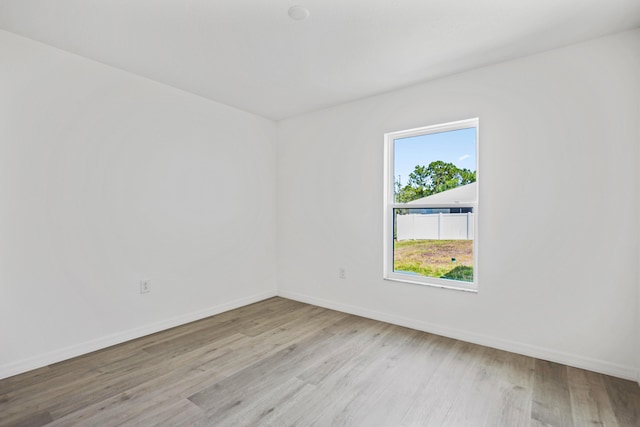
284 363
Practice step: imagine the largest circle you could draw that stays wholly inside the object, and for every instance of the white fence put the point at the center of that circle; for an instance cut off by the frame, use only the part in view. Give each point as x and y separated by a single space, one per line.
440 226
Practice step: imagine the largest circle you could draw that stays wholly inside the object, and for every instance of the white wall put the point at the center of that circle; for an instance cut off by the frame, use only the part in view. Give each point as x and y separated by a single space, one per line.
558 136
107 178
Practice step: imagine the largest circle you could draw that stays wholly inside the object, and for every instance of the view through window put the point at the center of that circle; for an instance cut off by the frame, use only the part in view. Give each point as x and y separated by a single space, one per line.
431 205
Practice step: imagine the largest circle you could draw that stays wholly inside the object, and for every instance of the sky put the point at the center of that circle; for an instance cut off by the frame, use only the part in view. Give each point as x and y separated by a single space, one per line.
457 147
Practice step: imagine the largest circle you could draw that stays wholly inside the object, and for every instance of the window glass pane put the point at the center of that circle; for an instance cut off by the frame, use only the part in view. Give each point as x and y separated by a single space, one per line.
434 242
425 165
437 172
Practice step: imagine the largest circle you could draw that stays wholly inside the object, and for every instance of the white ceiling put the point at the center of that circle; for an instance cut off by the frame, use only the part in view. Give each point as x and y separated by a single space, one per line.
249 54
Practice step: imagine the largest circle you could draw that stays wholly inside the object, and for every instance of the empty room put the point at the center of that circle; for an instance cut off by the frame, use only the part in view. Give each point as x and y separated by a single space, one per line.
325 213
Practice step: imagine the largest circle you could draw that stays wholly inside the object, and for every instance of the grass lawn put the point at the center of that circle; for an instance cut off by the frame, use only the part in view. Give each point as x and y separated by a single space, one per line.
433 258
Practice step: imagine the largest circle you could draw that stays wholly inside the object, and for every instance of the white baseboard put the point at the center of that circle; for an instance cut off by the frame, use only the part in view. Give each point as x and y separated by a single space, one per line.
59 355
577 361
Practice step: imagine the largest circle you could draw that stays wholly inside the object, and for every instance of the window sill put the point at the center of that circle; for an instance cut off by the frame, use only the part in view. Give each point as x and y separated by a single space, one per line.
462 287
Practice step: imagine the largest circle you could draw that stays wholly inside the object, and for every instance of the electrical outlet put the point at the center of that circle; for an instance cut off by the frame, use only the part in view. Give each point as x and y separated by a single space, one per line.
342 273
145 286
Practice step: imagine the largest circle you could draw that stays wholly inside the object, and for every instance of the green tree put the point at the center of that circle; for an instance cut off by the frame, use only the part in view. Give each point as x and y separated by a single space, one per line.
435 178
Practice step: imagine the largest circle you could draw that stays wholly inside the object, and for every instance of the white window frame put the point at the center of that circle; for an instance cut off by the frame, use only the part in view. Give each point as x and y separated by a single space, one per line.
390 205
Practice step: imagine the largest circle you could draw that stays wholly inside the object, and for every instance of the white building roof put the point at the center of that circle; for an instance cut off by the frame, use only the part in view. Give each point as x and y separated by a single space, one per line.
463 194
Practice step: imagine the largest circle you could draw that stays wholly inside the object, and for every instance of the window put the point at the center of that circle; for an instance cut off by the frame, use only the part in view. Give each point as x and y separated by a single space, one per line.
431 205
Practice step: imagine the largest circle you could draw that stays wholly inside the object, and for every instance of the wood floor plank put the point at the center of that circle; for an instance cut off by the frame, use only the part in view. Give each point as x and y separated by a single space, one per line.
551 400
283 316
625 400
26 419
232 393
590 403
176 379
400 376
433 404
181 412
191 371
284 363
64 372
359 332
266 408
18 382
484 380
351 379
183 342
517 379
